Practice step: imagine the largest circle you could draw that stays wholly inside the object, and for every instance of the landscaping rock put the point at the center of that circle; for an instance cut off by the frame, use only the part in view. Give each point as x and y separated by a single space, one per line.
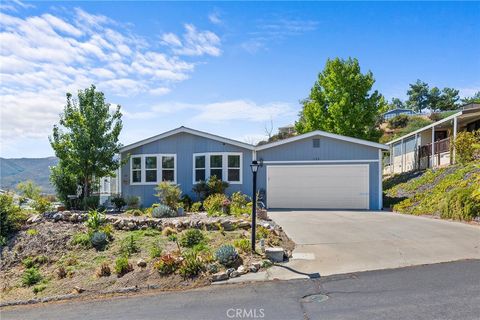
229 271
227 225
35 218
252 268
57 216
141 263
220 276
234 274
242 270
257 265
78 290
243 225
274 254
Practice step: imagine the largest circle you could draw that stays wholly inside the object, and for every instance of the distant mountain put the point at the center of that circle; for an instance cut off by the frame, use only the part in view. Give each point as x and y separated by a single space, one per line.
13 171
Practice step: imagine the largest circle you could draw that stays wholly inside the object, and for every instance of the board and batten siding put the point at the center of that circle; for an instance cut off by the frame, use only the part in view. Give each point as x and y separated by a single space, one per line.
184 145
330 152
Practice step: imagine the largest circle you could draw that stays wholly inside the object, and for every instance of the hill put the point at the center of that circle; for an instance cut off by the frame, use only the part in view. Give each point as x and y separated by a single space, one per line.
12 171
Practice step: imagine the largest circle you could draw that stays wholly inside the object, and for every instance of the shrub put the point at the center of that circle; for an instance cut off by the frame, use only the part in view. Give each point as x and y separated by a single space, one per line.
186 202
216 185
104 270
31 276
168 231
129 246
91 202
11 216
156 250
242 244
167 264
213 204
108 230
118 202
169 194
32 232
415 123
61 272
262 232
122 266
134 212
201 190
467 146
99 240
240 203
81 239
28 262
226 255
41 259
29 189
173 237
133 202
191 265
41 205
191 237
460 204
399 121
195 207
39 288
163 211
95 219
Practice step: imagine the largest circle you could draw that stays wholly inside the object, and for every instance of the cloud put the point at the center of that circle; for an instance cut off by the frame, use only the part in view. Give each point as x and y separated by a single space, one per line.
14 5
193 42
468 91
214 18
44 56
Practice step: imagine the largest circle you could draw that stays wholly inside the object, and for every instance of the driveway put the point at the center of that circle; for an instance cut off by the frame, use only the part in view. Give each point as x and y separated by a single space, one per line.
335 242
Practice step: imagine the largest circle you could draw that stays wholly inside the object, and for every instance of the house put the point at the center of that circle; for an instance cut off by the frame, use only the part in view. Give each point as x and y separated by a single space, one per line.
395 112
287 130
312 170
429 147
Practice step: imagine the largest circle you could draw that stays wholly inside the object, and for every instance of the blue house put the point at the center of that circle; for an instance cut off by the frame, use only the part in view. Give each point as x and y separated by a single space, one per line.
317 170
395 112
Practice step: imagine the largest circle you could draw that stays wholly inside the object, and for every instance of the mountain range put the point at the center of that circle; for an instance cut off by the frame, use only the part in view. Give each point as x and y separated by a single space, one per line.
13 171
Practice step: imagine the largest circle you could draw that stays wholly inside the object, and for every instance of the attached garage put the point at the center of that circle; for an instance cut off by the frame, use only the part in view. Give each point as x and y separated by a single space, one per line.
320 170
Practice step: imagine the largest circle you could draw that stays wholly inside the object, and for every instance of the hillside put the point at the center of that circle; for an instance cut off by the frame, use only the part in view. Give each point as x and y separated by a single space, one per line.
450 193
12 171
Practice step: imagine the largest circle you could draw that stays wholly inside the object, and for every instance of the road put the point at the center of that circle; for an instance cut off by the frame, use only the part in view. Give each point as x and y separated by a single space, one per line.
438 291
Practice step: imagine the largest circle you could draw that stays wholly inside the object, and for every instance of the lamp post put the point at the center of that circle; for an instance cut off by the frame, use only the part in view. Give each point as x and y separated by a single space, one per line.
254 166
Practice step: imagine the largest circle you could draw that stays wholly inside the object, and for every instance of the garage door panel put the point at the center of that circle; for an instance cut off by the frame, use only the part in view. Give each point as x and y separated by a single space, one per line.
318 186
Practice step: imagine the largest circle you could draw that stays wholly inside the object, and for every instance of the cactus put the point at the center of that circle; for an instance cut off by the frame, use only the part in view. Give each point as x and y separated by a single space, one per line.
226 255
163 211
99 240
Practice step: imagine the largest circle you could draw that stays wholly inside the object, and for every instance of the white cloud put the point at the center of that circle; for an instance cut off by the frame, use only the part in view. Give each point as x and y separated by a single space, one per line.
44 56
193 42
468 91
214 18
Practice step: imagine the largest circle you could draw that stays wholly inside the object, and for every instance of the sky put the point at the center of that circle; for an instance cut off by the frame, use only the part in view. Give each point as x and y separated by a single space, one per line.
229 68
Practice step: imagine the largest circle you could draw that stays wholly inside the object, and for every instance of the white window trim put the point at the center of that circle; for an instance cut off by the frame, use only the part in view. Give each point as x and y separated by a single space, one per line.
159 168
224 165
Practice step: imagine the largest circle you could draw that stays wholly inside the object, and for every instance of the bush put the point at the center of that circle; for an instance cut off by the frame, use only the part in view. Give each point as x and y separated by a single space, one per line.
243 245
191 237
81 239
134 212
415 123
195 207
11 216
41 259
91 202
169 194
118 202
29 189
31 276
28 262
214 204
39 288
122 266
226 255
467 147
167 264
191 265
32 232
129 246
133 202
399 121
104 270
41 205
216 186
95 220
240 204
61 272
186 202
99 240
168 231
156 250
461 204
163 211
262 232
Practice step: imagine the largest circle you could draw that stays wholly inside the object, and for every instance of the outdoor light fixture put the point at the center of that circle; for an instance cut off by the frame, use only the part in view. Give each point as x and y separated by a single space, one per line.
254 166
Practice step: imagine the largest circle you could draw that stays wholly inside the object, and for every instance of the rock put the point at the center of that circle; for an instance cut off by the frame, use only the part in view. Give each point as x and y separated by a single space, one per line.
266 225
130 225
274 254
243 224
141 263
78 290
242 270
57 216
227 225
220 276
229 271
257 265
252 268
35 218
235 274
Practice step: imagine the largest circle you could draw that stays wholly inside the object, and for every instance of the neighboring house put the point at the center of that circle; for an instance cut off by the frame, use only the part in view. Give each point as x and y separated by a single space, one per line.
395 112
429 147
313 170
287 130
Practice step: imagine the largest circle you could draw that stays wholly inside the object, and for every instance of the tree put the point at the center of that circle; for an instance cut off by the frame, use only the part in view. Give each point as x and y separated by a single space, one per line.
418 96
29 189
341 102
433 99
86 139
396 104
474 99
65 183
448 100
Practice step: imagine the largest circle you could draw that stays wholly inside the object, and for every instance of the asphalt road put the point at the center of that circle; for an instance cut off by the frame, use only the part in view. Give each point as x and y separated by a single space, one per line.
439 291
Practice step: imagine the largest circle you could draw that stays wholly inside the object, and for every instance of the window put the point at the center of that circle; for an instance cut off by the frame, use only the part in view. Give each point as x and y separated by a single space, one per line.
234 168
199 174
226 166
136 169
152 168
316 143
216 166
168 168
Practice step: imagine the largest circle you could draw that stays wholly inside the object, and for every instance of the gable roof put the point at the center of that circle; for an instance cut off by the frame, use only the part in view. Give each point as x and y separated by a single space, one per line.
399 110
194 132
323 134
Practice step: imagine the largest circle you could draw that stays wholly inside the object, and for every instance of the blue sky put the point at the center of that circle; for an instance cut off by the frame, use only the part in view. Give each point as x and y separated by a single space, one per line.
226 68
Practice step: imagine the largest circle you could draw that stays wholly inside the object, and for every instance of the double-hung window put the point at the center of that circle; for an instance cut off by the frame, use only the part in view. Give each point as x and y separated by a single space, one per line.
153 168
225 166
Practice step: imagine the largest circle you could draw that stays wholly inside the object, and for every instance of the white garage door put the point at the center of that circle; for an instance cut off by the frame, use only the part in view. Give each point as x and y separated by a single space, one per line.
318 186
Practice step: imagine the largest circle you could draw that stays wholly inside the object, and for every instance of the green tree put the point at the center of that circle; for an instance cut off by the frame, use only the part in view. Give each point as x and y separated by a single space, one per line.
65 182
396 104
473 99
342 102
29 189
434 98
86 139
418 96
448 100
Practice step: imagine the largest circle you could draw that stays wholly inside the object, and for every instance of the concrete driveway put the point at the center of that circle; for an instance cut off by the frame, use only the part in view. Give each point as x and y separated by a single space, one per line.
333 242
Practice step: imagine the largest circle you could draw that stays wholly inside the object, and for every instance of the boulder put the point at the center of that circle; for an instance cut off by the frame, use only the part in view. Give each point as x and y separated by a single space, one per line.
242 270
243 224
219 276
274 254
35 218
229 271
252 268
227 225
235 274
78 290
141 263
57 216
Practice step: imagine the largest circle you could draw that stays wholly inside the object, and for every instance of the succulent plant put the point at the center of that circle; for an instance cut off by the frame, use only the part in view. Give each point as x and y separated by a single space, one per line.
99 240
163 211
226 255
